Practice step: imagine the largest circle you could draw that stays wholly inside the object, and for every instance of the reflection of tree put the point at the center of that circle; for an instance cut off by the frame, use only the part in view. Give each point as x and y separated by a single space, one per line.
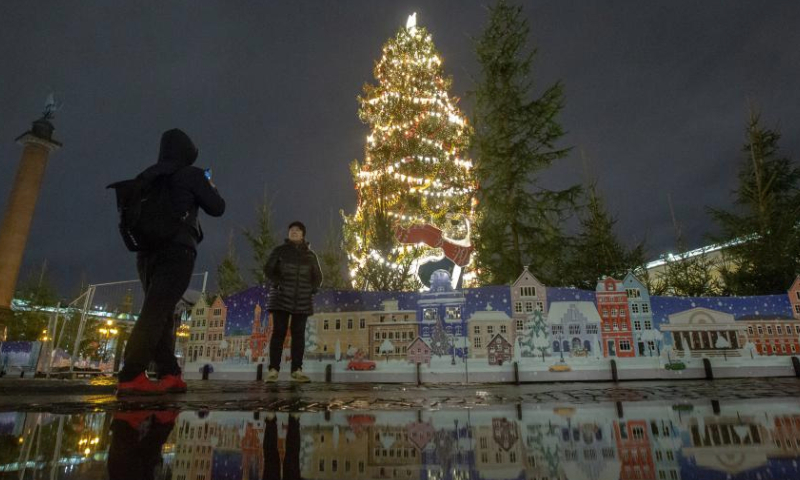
545 443
445 446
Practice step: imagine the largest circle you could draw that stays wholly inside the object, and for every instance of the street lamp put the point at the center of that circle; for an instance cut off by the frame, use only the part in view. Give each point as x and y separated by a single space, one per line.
107 331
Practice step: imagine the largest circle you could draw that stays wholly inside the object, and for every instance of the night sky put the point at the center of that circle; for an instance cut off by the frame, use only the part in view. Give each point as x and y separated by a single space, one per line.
657 95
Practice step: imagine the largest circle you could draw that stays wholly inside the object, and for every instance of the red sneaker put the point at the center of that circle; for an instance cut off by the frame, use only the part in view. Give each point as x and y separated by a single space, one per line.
140 385
172 384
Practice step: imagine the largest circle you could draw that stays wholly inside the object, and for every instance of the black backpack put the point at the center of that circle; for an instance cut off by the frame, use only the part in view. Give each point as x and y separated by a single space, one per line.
146 217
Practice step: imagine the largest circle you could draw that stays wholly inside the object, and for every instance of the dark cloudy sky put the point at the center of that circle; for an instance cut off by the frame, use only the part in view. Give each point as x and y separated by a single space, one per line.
657 95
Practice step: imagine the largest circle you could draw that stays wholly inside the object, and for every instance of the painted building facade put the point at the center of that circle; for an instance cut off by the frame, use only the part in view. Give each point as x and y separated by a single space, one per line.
794 297
259 336
574 329
419 352
217 315
483 326
612 303
528 294
441 303
773 335
646 338
698 331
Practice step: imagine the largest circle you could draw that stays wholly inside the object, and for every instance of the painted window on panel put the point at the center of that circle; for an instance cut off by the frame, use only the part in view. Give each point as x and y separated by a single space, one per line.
527 291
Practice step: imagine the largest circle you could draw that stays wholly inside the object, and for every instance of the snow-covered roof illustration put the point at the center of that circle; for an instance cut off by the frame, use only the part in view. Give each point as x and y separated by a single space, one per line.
526 277
573 311
489 315
701 318
605 282
498 338
632 281
417 341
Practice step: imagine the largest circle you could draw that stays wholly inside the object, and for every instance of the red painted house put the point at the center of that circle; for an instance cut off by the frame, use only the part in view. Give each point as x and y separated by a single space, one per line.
500 350
773 335
635 454
794 297
615 326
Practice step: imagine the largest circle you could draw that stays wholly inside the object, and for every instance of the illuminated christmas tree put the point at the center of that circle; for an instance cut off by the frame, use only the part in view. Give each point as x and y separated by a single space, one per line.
415 188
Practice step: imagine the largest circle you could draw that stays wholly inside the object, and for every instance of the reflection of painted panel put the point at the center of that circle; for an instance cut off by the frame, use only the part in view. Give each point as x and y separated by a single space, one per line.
19 354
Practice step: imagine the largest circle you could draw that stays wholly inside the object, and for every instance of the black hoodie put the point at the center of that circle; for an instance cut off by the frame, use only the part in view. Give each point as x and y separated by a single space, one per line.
189 187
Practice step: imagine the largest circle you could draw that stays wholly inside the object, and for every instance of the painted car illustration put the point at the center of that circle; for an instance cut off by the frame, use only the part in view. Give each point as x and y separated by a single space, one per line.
675 365
360 364
560 367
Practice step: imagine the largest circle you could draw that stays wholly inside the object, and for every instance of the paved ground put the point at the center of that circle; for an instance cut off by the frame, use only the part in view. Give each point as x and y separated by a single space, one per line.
63 396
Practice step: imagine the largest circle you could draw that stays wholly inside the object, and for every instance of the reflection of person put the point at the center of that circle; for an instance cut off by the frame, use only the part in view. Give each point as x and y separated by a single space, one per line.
294 275
291 459
136 442
166 271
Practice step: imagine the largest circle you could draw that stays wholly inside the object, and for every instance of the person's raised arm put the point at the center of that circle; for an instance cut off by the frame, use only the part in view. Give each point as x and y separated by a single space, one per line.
208 198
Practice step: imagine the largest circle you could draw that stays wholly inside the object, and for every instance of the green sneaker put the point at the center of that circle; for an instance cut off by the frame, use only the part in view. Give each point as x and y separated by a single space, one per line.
299 376
272 376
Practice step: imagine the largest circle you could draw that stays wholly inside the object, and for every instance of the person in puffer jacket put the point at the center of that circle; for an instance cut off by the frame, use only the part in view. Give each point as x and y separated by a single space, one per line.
294 276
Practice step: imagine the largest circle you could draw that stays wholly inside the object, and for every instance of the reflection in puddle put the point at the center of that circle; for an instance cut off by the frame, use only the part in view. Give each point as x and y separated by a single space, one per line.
642 440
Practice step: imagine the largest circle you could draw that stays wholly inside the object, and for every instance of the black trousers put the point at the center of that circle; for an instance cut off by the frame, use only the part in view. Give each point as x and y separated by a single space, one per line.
291 459
165 276
280 324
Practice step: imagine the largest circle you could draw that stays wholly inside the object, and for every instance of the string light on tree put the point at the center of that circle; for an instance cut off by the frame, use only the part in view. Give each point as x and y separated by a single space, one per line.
415 187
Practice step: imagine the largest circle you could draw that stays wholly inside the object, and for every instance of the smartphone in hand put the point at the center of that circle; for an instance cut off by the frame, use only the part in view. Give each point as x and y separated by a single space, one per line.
208 173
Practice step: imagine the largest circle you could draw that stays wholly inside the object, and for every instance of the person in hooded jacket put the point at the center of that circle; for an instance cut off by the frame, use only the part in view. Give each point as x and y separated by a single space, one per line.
165 272
294 275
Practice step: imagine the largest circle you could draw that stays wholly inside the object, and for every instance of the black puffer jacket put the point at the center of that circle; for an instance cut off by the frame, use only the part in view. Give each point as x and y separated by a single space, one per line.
189 187
294 275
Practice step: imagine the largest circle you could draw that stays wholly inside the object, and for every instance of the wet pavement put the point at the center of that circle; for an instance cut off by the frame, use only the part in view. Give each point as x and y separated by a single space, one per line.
76 395
728 429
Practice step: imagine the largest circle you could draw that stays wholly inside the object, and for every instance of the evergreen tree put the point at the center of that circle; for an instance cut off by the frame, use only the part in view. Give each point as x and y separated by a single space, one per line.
333 260
519 221
229 279
596 251
261 239
415 189
687 274
37 293
765 223
440 341
533 340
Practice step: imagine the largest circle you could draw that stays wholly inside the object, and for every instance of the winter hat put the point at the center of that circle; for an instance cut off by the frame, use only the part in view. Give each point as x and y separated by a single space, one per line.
299 225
